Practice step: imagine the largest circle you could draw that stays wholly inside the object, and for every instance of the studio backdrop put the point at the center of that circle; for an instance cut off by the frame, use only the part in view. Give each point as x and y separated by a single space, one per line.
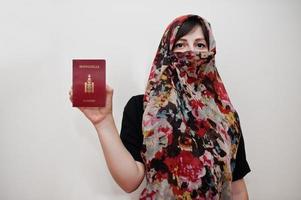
49 150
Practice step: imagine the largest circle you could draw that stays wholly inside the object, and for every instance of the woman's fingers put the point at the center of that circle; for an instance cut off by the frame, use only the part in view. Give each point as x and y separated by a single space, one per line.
70 94
109 95
108 88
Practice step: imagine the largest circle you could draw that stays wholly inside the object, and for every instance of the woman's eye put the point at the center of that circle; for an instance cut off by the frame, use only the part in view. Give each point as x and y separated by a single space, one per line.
201 45
179 45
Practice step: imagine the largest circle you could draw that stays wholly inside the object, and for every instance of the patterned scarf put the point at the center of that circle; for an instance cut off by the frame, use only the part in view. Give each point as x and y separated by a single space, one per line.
190 128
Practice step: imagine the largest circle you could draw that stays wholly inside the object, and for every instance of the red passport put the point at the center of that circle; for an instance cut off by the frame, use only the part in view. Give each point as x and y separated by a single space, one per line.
89 83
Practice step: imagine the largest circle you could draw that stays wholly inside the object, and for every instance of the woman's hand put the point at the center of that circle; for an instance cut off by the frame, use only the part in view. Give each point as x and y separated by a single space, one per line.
97 114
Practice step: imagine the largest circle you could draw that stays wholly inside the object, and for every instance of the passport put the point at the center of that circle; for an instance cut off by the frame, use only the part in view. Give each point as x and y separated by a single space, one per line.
89 82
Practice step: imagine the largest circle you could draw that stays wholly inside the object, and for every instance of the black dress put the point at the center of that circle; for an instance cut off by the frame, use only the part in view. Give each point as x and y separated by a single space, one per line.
132 137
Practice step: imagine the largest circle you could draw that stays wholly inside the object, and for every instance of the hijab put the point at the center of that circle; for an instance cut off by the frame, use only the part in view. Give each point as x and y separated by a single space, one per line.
190 128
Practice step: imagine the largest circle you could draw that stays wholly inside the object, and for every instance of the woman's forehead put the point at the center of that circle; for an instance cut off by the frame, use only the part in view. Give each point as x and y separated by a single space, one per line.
196 33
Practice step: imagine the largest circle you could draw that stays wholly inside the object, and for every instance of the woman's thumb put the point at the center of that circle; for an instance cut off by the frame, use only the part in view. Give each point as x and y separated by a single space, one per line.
109 95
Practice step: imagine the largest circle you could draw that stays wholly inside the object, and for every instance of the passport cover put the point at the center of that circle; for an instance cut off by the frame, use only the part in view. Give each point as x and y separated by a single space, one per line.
89 83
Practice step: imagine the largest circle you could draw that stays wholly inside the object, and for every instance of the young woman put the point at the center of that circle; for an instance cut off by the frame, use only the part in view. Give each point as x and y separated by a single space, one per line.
183 133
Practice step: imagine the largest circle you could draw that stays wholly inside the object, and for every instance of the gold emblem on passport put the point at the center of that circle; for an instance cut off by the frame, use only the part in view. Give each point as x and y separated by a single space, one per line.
89 85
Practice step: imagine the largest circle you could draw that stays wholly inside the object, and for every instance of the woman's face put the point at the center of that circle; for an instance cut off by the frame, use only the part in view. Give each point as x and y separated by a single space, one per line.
192 41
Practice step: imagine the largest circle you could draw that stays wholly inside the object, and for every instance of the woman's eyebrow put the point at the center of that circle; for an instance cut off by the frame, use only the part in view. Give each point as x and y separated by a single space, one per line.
185 40
200 39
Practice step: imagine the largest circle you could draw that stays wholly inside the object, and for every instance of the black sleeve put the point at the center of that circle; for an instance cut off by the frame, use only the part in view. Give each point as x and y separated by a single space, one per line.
241 165
131 131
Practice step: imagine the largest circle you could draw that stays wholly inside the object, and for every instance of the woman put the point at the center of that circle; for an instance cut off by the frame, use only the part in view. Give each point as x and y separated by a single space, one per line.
183 133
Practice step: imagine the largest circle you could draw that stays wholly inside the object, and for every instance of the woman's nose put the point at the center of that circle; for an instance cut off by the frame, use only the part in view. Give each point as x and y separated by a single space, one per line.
191 47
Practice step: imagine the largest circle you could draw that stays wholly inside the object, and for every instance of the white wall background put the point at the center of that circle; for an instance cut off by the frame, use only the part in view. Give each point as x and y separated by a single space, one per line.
49 150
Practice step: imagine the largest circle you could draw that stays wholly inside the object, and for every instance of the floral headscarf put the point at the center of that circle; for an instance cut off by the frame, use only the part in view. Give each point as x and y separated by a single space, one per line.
190 128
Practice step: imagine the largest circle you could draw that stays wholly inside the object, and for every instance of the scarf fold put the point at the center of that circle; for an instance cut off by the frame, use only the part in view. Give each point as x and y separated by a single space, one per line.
190 128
